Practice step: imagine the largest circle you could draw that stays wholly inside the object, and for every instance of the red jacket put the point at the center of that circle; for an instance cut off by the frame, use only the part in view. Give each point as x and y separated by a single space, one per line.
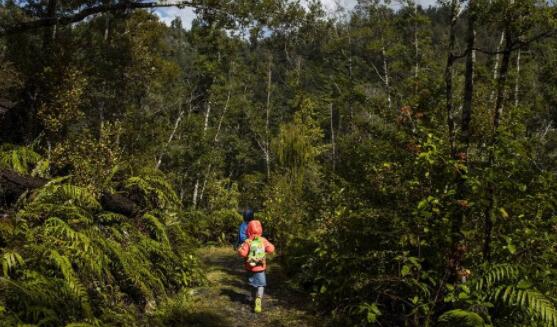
255 229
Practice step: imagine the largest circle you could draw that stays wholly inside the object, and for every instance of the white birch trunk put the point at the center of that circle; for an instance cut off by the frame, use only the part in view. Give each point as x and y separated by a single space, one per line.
222 117
333 136
517 80
170 138
497 63
267 114
386 78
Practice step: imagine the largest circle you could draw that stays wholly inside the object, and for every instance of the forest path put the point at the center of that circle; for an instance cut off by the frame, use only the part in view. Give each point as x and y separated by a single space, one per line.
224 301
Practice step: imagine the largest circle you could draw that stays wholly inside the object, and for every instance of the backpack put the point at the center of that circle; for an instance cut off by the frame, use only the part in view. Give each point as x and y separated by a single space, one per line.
256 255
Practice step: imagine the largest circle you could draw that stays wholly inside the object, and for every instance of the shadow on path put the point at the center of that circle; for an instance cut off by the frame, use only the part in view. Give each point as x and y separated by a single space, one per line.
224 302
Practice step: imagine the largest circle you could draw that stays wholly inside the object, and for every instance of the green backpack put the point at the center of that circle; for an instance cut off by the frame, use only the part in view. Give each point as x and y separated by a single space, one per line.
256 256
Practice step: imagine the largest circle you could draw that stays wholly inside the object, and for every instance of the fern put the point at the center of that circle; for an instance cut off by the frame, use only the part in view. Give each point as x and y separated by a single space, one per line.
495 275
530 301
19 159
77 256
157 228
73 283
461 318
11 260
156 190
497 285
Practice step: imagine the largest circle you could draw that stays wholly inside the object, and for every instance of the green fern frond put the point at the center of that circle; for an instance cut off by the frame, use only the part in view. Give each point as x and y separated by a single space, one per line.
157 228
10 260
108 217
72 281
80 195
155 187
19 159
496 275
536 304
461 318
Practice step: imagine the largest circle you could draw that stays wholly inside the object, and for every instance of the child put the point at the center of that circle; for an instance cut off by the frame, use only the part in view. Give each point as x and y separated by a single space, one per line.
242 235
254 249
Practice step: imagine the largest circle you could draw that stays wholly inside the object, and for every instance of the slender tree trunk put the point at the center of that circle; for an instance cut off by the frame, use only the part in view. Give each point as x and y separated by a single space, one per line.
517 80
449 71
497 64
222 117
468 81
207 115
350 80
416 50
170 138
205 127
195 191
458 247
50 33
489 213
386 78
332 136
267 115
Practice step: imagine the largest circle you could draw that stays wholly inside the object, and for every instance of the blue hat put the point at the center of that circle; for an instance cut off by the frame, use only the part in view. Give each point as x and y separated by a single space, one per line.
248 215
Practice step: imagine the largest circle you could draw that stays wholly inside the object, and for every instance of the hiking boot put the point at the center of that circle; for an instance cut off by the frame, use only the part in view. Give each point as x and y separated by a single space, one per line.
257 308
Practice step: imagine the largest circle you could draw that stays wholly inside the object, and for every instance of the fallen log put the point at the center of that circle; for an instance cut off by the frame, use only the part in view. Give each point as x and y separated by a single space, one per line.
13 185
118 203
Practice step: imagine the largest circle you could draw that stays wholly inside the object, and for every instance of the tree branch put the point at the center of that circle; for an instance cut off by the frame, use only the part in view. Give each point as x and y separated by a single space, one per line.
84 13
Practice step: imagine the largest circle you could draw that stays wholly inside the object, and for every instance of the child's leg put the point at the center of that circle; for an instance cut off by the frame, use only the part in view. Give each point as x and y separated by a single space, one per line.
260 291
253 293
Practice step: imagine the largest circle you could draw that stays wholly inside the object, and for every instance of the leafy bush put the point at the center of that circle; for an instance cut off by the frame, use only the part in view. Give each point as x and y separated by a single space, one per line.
67 260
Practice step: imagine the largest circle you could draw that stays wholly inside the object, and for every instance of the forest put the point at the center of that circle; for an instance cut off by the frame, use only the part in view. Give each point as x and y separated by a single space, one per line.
401 158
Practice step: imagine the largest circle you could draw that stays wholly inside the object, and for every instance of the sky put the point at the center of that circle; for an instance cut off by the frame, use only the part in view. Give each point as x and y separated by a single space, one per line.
187 14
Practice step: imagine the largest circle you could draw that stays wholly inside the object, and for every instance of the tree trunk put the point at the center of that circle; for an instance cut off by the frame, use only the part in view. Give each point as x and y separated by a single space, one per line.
449 78
50 32
386 78
468 81
497 63
170 138
517 80
489 214
205 127
267 115
332 136
416 50
222 117
458 247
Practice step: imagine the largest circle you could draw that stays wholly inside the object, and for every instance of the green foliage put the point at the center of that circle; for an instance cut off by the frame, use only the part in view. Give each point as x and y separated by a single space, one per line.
22 160
346 131
459 317
70 262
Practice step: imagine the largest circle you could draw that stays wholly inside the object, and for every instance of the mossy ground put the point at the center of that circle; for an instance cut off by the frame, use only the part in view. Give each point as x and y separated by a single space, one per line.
224 301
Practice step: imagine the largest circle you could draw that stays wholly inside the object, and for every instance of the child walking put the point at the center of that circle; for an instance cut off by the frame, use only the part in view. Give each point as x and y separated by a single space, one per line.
254 250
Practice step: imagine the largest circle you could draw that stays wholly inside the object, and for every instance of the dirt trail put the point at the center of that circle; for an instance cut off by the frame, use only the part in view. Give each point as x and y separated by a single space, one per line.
223 302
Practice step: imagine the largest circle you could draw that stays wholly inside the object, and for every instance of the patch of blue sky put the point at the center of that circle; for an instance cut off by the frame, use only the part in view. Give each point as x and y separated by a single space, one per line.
187 15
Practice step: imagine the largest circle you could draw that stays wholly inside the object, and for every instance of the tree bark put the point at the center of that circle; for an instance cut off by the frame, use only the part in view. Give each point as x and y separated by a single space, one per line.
267 114
416 50
332 137
222 117
489 214
458 248
449 71
170 138
80 15
497 63
517 80
386 78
